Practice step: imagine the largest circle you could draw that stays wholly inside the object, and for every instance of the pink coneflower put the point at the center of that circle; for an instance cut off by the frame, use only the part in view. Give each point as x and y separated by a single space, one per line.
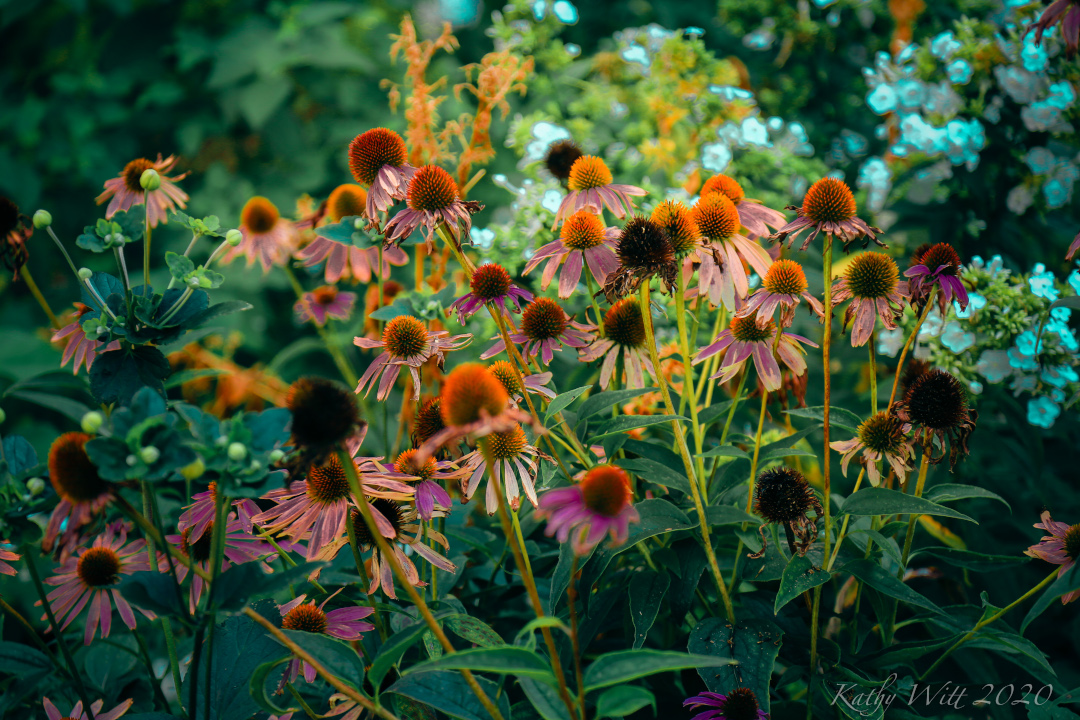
1060 547
316 508
783 286
828 207
126 190
53 713
322 303
880 436
722 276
744 338
406 342
343 623
517 385
583 239
624 336
78 346
5 568
591 187
199 515
378 159
240 547
428 477
92 576
489 285
936 266
545 327
601 504
754 216
267 237
645 250
1073 247
872 280
433 198
83 494
739 704
505 457
1065 12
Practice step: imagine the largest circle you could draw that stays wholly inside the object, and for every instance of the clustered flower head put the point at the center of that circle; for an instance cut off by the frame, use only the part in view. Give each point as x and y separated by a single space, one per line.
583 240
267 238
600 505
490 285
406 343
783 496
325 417
739 704
935 410
545 328
872 284
378 159
644 250
783 286
433 199
128 190
936 267
83 493
560 158
881 436
829 207
1060 547
324 303
591 186
623 338
746 338
723 277
754 216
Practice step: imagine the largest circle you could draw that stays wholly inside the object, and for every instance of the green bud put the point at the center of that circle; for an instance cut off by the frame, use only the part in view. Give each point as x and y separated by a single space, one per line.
255 465
234 237
237 451
42 219
149 454
194 470
92 421
85 273
276 455
193 282
358 223
35 486
132 461
150 180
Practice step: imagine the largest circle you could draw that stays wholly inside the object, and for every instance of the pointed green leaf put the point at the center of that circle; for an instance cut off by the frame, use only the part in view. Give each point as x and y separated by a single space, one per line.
799 576
625 665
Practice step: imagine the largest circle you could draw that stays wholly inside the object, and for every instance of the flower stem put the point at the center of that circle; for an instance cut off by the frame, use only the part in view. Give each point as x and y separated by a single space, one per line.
399 573
146 243
983 623
27 278
358 558
907 346
174 660
911 520
843 528
688 393
342 362
571 601
873 373
684 451
595 304
155 682
753 478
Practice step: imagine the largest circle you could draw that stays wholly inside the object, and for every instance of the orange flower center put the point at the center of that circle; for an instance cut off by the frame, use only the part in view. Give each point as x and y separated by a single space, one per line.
503 445
724 185
677 221
432 189
882 433
745 329
490 281
582 230
327 483
405 336
72 474
785 277
325 295
470 388
307 617
716 216
370 151
346 201
507 375
606 491
935 256
829 200
133 174
872 275
98 567
589 172
624 325
406 464
259 215
543 319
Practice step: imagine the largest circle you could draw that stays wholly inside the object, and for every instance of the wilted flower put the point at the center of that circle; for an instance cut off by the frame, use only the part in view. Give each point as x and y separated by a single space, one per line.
644 250
80 347
722 276
591 186
1060 547
505 457
267 237
343 623
936 266
872 280
545 327
324 418
77 713
406 342
489 285
1075 245
624 335
754 216
601 504
322 303
783 496
240 547
739 704
92 575
744 338
433 198
828 207
583 239
378 158
560 158
1065 13
783 286
880 436
428 477
126 190
5 568
936 408
82 492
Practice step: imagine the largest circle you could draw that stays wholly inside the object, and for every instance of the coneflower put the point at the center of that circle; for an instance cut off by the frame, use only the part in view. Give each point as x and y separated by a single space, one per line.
880 436
754 216
722 276
936 266
739 704
560 158
624 336
406 343
267 236
378 159
591 186
601 505
583 240
126 191
783 286
545 328
644 250
784 497
83 493
935 408
490 285
872 283
433 198
325 417
828 207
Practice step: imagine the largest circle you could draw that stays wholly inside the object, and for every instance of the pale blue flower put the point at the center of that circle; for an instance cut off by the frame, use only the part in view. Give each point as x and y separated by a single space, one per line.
890 342
956 338
994 365
1042 283
1022 361
1042 412
1059 376
1025 343
975 302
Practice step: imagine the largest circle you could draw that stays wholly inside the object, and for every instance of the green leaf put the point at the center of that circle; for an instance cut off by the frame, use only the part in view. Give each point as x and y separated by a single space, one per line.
178 379
117 375
1065 584
333 654
776 453
838 416
729 515
257 686
71 409
179 265
392 650
602 401
622 423
883 501
948 492
244 582
449 693
979 562
474 630
656 473
409 709
22 660
561 402
647 590
215 311
154 591
622 701
747 649
625 665
106 663
725 451
799 576
545 699
885 582
260 99
504 660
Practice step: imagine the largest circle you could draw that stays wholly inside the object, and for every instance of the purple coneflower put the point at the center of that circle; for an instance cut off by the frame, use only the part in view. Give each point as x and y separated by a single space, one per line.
936 266
378 159
722 275
325 419
783 496
433 198
5 568
267 237
744 338
489 285
406 342
560 158
935 407
428 477
126 190
82 492
601 504
53 713
1073 247
783 286
545 327
1065 12
92 577
828 207
872 280
624 336
645 249
880 436
343 623
754 216
517 385
1060 547
240 547
739 704
324 302
591 187
505 457
199 515
78 346
583 239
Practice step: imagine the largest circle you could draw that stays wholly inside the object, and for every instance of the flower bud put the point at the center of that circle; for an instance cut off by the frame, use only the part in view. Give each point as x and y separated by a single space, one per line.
276 455
237 451
35 486
42 219
193 282
150 180
85 273
194 470
149 454
255 465
92 421
132 461
234 237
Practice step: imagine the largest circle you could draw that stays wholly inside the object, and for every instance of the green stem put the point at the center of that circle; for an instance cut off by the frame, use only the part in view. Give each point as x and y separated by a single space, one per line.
907 345
843 527
873 373
753 479
911 520
365 581
595 304
687 395
155 682
174 659
571 601
146 244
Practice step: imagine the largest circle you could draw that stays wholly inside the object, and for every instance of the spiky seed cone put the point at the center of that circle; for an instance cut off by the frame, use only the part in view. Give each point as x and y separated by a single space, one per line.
724 185
745 329
428 422
73 476
508 376
829 200
582 230
306 617
937 255
369 151
490 281
872 275
259 215
469 389
405 336
782 495
643 245
390 510
882 432
716 216
543 319
624 325
560 158
677 222
785 277
741 704
937 400
432 189
99 567
588 172
324 413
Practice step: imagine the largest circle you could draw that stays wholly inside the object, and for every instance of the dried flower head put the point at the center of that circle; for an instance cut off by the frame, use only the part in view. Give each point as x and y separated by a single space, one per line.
560 158
783 496
324 415
881 436
644 250
936 408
